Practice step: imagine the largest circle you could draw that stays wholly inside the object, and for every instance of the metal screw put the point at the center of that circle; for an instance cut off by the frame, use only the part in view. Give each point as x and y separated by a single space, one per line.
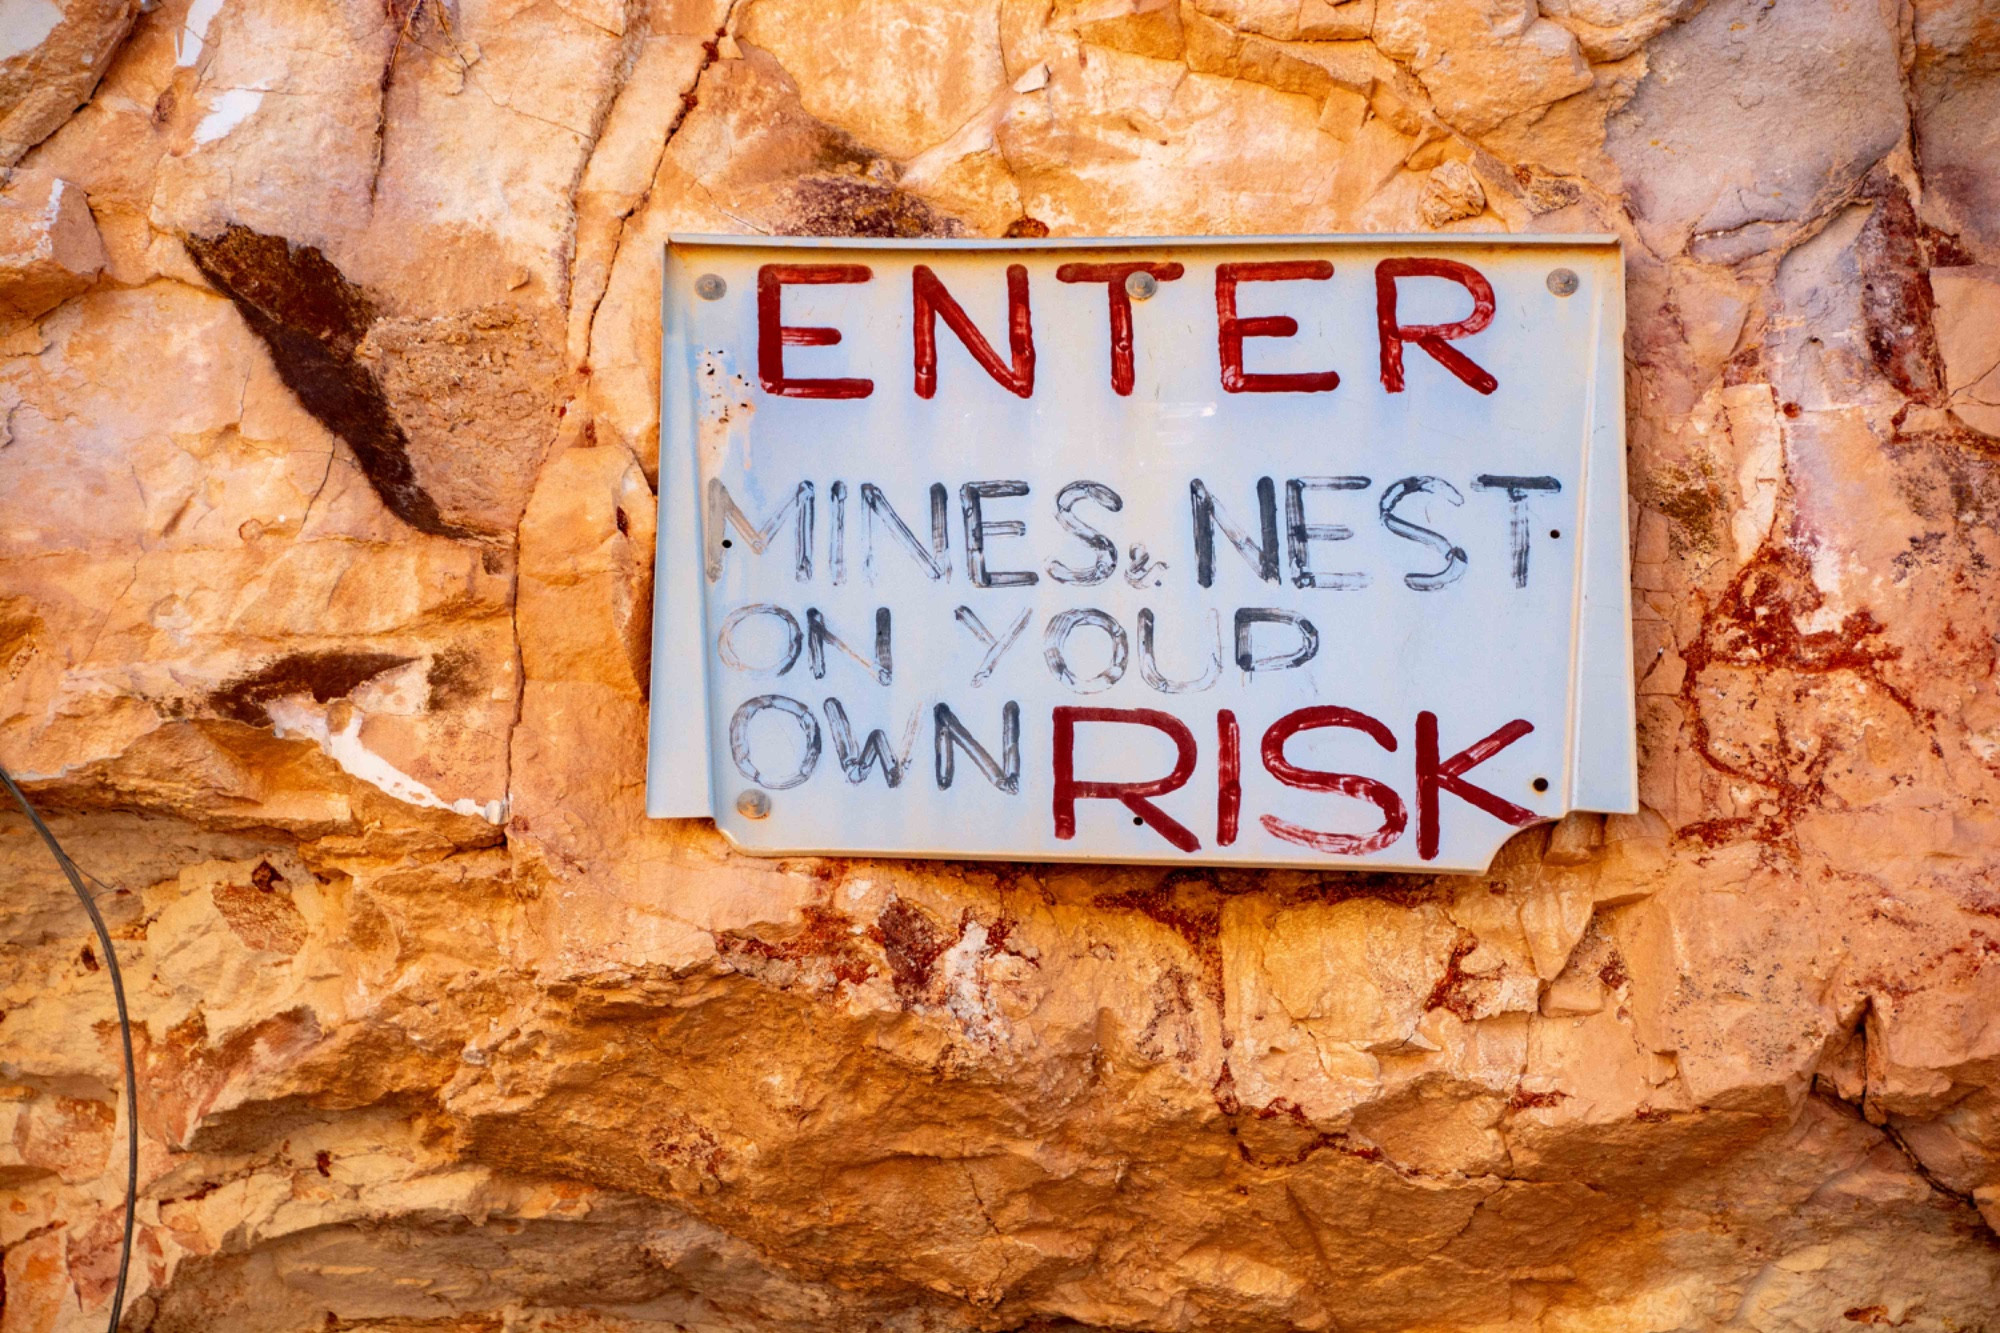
1563 281
1140 285
710 286
753 805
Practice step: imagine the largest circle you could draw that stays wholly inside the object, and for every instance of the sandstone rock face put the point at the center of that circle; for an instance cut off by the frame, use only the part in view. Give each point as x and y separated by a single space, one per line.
52 53
329 362
49 246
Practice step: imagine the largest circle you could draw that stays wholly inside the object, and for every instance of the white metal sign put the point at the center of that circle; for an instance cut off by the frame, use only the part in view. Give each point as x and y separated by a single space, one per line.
1260 552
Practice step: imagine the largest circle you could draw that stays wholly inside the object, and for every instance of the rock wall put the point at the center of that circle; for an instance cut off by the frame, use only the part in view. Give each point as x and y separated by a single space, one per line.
328 436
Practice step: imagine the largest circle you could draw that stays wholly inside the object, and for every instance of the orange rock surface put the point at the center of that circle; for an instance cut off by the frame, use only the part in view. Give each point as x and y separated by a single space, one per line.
329 370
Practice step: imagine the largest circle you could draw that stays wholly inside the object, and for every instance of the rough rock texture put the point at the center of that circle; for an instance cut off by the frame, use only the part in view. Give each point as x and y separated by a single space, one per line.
51 56
326 514
49 246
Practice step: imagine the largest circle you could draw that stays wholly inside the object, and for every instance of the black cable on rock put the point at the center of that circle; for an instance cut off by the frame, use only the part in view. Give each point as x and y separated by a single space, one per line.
69 868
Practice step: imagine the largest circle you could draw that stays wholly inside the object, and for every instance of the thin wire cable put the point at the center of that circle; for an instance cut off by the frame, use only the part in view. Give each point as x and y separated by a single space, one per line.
76 878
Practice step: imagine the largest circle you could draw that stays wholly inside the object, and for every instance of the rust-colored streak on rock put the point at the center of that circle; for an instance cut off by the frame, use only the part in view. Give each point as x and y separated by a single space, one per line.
262 913
824 950
1455 990
183 1071
1191 908
1757 626
313 320
912 942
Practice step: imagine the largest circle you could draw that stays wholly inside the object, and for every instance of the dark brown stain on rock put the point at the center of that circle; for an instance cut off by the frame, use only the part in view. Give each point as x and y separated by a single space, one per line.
850 206
325 676
1896 299
20 627
313 319
1692 500
454 678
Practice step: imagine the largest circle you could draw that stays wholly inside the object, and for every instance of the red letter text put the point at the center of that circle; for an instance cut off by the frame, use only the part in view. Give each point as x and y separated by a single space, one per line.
1433 338
773 337
1395 816
1433 777
1132 795
932 300
1228 777
1113 277
1231 331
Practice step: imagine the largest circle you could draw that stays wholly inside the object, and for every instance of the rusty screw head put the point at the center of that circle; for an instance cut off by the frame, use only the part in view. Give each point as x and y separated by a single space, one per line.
753 804
710 286
1563 281
1140 285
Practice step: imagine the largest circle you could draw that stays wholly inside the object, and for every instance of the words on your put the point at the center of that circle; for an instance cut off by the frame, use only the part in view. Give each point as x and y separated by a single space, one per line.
1020 584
